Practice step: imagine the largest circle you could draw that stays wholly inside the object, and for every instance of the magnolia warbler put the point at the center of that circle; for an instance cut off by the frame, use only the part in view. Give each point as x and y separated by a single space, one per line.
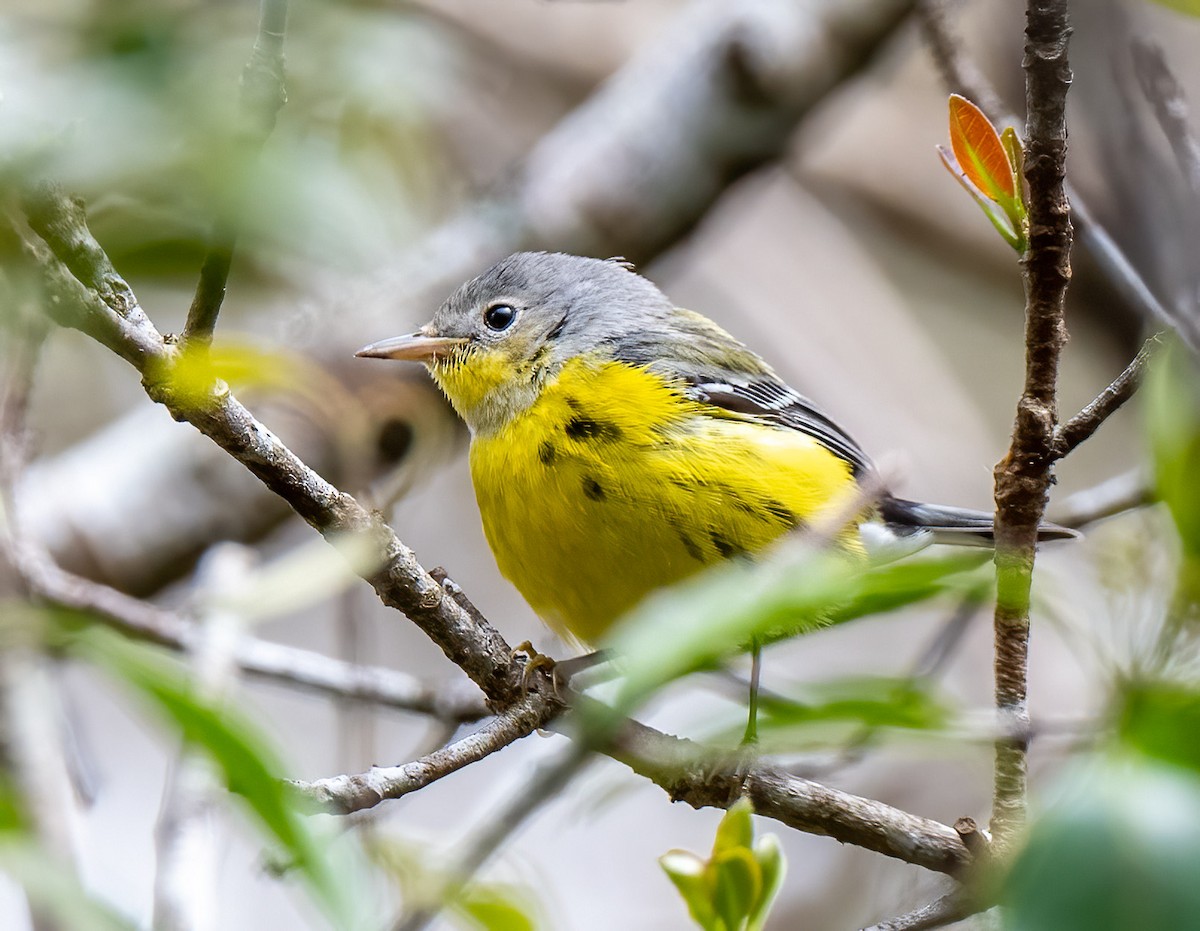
620 443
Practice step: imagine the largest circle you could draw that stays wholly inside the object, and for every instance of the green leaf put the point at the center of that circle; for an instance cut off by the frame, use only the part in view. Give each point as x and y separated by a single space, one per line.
494 908
736 828
771 862
1120 850
689 874
236 746
871 701
694 625
734 888
1173 418
737 886
896 585
1162 721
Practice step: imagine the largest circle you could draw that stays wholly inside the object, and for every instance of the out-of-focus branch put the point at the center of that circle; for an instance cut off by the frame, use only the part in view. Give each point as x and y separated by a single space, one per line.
1113 496
185 881
272 662
346 794
1166 96
937 914
263 96
1070 434
1024 475
636 166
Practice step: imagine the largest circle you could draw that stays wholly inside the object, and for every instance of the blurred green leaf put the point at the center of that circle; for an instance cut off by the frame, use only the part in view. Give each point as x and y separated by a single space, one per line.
734 888
738 883
871 701
898 584
239 749
687 872
54 891
495 908
1191 7
1119 851
694 625
417 871
1162 721
1173 418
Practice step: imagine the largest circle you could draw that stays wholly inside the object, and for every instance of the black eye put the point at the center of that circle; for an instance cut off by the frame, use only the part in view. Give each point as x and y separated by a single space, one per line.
499 317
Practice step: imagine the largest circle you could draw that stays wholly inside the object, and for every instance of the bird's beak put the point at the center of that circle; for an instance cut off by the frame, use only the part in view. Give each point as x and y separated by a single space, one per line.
421 346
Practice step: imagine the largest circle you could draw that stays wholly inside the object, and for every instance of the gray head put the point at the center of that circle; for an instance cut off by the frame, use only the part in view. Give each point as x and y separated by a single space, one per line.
499 335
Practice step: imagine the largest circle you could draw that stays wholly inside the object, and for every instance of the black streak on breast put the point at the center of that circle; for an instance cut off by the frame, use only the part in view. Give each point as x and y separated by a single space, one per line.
585 428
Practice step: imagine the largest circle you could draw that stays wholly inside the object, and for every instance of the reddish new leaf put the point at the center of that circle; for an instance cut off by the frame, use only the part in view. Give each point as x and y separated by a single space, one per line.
979 151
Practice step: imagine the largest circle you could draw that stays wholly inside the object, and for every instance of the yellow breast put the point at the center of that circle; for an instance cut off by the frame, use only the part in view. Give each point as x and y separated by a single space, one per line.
613 483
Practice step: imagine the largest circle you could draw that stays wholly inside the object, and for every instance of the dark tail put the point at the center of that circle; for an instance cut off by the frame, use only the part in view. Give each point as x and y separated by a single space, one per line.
959 526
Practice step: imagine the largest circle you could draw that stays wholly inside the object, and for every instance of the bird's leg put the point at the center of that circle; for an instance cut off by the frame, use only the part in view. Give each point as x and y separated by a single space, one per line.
751 735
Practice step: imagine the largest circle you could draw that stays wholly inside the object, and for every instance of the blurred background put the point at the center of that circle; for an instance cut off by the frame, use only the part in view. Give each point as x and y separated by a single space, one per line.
807 213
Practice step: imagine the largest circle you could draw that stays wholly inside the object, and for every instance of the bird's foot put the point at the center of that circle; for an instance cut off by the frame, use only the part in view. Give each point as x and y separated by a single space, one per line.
533 662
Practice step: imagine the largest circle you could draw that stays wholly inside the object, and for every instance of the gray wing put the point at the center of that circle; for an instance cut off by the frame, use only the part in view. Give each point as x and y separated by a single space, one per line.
772 401
715 369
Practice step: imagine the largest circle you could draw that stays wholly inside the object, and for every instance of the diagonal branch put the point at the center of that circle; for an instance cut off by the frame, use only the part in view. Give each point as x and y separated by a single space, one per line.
1080 427
346 794
399 580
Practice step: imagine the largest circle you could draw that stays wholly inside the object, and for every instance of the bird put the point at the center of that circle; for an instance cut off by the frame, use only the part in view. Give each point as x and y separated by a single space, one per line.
620 443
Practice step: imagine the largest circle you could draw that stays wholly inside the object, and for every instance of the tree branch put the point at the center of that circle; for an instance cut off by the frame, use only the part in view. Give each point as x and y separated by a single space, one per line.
948 909
691 773
1166 96
263 96
344 795
272 662
1023 476
398 579
1113 496
1080 427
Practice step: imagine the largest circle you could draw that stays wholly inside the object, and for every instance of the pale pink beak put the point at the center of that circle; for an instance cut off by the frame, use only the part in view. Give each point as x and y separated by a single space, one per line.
421 346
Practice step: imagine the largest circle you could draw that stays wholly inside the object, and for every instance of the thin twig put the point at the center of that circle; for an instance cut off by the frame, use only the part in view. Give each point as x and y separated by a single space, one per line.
346 794
1023 476
1080 427
263 96
959 74
1164 93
